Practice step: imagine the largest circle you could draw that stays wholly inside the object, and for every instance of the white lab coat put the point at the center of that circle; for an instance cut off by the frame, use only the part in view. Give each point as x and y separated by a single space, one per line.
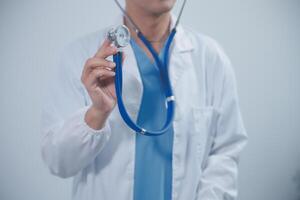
208 128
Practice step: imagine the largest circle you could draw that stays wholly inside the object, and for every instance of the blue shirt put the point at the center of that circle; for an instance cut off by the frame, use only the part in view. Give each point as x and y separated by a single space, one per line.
153 158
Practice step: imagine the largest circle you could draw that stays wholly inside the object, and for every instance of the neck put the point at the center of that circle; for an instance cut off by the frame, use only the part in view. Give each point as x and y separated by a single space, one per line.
155 27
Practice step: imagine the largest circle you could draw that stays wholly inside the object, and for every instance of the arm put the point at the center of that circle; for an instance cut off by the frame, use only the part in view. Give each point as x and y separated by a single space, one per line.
219 177
73 134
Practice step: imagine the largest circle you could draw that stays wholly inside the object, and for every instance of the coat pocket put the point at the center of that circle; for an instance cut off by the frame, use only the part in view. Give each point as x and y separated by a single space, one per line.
205 126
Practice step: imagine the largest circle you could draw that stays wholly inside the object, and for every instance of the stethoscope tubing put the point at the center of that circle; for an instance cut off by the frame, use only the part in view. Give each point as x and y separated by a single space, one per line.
163 68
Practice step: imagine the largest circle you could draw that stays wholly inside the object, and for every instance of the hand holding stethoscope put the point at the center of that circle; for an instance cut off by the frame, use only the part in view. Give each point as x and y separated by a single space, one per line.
98 77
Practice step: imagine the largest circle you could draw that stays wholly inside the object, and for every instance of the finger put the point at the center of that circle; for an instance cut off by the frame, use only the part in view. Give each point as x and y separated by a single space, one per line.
101 74
92 63
106 43
106 49
99 62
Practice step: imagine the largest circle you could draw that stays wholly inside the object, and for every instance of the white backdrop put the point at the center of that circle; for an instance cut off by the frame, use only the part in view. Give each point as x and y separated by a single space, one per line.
260 36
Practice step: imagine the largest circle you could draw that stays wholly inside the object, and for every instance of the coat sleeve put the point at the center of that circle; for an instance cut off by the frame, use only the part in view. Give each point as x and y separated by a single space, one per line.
219 177
68 144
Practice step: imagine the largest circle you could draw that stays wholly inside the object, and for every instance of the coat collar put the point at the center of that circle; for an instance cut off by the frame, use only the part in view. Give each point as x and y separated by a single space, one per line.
182 42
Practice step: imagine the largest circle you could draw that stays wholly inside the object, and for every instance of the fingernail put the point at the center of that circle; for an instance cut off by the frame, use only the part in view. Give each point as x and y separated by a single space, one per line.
112 64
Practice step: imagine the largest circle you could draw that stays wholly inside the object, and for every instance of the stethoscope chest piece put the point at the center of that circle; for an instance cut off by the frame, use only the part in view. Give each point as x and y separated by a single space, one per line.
120 36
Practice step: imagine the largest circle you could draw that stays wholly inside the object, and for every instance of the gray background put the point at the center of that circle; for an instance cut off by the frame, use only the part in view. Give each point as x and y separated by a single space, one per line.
260 36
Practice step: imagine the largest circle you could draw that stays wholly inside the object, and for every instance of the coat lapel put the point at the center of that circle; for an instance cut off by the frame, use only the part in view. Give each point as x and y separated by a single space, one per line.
180 57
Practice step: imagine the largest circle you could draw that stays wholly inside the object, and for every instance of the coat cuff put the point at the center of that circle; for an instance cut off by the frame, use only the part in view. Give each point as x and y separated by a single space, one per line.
105 129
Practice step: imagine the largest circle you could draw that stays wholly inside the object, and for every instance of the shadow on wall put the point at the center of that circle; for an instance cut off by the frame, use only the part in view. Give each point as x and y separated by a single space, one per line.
297 181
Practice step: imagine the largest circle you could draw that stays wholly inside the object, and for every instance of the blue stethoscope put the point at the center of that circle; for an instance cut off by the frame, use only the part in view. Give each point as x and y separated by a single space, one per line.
120 36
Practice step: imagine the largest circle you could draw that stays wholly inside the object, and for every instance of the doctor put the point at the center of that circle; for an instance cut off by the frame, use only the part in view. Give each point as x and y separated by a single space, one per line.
84 136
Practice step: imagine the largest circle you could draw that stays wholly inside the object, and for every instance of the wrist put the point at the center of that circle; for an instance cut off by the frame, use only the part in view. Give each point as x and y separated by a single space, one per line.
96 118
97 112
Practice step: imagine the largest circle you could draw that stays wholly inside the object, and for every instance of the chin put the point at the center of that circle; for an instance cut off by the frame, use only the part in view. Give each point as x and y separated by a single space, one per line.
159 7
165 5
